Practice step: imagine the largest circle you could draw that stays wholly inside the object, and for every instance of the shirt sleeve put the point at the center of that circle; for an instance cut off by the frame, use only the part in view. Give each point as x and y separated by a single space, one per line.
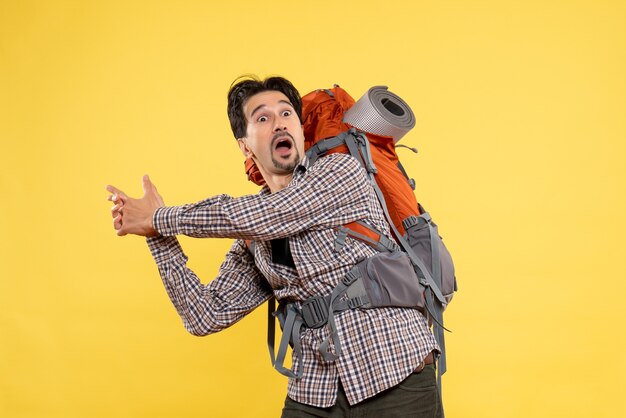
237 290
333 192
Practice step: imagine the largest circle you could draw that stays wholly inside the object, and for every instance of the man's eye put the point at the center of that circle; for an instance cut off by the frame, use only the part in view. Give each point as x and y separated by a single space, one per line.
286 112
262 119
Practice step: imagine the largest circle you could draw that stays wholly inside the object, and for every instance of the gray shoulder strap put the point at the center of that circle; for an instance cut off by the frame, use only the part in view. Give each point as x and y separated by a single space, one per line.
320 148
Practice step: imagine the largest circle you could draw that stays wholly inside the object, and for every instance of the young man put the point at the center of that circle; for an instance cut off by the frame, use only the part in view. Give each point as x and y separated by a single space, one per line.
386 364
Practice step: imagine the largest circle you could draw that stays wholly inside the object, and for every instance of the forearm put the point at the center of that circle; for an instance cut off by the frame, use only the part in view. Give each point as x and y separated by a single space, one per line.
204 309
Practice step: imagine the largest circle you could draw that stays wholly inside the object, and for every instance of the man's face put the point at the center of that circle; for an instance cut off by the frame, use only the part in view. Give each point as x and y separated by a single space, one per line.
274 137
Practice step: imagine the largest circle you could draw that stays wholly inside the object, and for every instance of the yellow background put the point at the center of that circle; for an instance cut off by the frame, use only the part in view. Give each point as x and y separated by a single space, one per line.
521 129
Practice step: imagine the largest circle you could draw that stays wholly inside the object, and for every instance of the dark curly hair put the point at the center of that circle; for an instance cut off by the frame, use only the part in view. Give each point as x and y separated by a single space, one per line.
247 86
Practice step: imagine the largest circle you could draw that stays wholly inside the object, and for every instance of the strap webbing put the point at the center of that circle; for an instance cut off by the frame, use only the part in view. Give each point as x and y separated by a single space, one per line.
322 147
408 179
291 331
340 239
271 327
434 251
438 332
335 306
383 244
354 151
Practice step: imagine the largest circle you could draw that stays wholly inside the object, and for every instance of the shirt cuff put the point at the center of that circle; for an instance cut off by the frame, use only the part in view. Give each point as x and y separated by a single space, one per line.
165 220
164 248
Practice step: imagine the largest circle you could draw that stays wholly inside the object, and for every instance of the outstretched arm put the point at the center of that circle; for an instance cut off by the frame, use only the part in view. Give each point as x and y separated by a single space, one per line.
331 193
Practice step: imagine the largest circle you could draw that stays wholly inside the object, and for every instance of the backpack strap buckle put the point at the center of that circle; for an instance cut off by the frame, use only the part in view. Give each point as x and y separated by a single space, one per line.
350 277
358 301
315 311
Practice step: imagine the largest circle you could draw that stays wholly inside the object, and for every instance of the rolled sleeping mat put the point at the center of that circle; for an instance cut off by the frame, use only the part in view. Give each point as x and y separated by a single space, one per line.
381 112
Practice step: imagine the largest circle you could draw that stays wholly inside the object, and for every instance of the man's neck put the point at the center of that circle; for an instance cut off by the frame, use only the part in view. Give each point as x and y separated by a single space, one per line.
278 182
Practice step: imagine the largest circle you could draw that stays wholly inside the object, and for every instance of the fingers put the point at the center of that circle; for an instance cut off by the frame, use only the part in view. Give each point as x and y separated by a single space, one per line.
117 199
130 216
147 184
154 188
118 225
117 209
117 222
114 190
116 194
150 188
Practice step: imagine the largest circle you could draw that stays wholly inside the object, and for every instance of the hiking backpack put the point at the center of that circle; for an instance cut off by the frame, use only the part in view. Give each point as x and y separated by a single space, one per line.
433 283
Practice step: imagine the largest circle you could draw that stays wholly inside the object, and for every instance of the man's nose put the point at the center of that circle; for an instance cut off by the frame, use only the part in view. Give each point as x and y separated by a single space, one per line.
279 125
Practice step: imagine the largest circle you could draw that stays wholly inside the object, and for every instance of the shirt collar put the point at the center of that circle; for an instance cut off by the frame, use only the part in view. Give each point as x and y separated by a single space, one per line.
298 172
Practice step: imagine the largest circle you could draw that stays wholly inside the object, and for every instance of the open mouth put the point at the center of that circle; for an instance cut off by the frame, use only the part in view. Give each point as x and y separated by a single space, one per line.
283 144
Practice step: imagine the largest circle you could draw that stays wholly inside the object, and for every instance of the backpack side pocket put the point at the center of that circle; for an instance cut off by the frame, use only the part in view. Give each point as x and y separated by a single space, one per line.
422 235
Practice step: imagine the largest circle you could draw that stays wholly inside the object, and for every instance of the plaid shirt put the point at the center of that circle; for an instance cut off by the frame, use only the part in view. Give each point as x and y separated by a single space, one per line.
381 346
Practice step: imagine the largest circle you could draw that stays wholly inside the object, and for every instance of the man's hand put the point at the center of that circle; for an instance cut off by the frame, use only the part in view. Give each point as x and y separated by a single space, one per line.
134 216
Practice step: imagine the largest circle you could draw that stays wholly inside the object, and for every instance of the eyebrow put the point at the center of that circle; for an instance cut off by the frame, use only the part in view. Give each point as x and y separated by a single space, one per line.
263 105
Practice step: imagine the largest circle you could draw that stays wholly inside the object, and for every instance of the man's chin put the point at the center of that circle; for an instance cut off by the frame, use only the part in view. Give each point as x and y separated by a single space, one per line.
285 166
288 164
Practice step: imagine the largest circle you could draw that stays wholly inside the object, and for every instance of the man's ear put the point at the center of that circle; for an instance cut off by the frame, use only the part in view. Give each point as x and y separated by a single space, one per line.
244 148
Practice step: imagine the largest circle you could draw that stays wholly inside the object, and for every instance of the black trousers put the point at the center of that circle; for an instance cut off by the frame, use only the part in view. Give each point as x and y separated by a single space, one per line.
417 396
